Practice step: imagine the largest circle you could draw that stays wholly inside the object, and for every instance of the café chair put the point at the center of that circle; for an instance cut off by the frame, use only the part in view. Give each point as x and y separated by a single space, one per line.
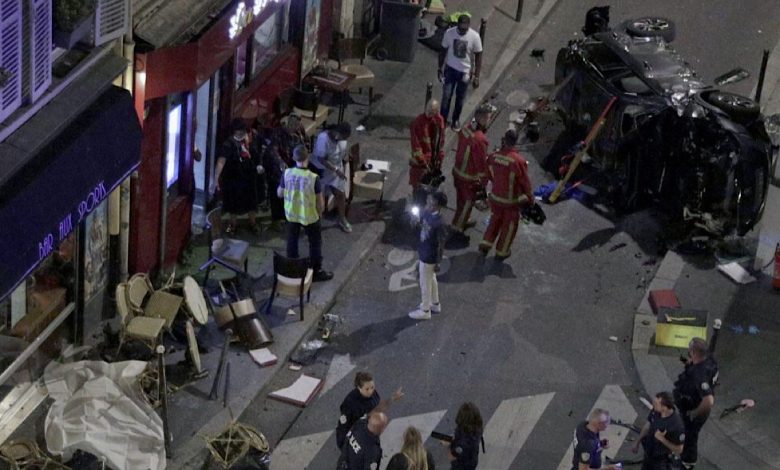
292 278
349 55
368 184
226 252
147 330
307 105
143 300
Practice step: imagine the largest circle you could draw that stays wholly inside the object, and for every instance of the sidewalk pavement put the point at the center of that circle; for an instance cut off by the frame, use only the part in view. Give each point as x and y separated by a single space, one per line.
401 89
748 363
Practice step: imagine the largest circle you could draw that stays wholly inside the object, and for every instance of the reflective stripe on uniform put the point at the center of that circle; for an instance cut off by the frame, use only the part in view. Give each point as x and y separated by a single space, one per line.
505 201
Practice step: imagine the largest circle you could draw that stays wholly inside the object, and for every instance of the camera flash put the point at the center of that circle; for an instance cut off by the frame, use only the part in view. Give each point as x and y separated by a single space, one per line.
415 211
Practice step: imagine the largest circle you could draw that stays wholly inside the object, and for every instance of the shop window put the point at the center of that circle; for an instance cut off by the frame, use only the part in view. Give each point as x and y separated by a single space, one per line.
266 42
173 152
36 303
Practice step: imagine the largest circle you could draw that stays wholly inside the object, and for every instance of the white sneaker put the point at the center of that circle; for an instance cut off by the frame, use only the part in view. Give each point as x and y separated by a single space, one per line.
420 315
435 308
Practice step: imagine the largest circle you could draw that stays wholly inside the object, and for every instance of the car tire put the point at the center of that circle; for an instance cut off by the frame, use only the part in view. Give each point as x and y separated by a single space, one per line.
651 27
741 108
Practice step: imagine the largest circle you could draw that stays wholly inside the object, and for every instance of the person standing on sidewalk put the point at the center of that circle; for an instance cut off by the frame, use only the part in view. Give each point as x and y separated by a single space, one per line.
277 157
588 444
362 450
662 436
330 157
455 68
430 250
694 396
470 170
303 205
362 400
427 134
511 190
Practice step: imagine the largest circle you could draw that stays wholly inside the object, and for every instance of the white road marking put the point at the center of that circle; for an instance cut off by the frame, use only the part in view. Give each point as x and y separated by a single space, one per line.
615 401
340 366
297 453
393 436
509 428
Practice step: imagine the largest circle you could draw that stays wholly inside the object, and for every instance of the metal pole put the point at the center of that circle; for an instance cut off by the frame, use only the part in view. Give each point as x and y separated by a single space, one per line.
227 386
482 27
163 393
761 75
519 13
221 366
428 92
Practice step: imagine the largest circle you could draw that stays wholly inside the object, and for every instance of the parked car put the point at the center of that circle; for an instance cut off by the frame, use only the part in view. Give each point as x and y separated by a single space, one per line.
700 153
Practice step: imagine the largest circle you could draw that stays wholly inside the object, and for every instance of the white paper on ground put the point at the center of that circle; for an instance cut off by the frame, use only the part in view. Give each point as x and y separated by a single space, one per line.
98 408
300 392
736 272
263 356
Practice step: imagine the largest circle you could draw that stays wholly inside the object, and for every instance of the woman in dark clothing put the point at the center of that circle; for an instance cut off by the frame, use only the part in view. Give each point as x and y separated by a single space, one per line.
236 173
362 400
464 448
413 455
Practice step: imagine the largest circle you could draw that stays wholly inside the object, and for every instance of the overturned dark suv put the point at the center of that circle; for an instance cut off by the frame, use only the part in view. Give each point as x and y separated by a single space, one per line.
701 154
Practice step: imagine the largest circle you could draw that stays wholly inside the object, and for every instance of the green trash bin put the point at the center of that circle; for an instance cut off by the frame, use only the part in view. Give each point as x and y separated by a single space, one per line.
399 26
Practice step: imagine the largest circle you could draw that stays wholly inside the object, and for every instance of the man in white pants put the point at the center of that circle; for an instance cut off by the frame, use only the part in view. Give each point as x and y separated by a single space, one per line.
432 236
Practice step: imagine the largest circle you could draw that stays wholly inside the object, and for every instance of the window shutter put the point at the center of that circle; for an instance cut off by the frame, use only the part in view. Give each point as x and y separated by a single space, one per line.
111 18
40 50
10 56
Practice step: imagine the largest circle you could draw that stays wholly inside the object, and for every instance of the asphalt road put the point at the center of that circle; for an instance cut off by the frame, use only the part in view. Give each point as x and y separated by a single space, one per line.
527 340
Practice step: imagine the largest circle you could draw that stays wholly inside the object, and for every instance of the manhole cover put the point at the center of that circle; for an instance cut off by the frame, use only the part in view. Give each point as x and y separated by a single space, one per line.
518 99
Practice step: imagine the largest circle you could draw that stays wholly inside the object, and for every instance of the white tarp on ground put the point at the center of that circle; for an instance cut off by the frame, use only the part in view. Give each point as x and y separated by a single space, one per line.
98 408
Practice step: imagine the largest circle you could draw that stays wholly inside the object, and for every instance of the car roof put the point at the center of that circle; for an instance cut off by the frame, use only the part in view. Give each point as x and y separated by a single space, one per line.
653 60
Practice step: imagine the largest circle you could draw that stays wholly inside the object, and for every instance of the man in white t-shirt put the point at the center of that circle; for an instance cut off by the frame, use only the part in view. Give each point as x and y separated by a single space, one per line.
455 66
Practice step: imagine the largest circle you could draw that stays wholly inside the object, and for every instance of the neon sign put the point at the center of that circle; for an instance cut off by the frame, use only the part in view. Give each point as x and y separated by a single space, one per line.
243 16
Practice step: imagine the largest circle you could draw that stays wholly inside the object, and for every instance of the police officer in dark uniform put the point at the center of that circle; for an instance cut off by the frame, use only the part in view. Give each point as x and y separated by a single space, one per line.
694 396
663 436
588 444
358 403
362 450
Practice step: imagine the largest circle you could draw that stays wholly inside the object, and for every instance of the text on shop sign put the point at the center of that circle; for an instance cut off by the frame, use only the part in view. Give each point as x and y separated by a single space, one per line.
82 209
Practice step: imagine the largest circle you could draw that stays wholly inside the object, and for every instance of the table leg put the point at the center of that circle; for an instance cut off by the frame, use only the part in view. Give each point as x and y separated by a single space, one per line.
342 105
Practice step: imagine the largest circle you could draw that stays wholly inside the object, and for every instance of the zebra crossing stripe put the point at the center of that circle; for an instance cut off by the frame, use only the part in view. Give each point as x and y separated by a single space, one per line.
509 428
340 366
615 401
297 453
393 436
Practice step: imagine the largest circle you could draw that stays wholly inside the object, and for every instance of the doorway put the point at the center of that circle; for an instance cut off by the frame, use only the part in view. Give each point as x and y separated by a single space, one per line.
206 119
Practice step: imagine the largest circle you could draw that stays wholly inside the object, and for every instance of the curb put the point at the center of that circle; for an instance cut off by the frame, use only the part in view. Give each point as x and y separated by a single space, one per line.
717 448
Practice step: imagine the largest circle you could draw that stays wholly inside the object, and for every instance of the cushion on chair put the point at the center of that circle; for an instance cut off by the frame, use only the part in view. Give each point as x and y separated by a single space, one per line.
360 71
163 305
321 113
368 185
232 252
290 287
145 328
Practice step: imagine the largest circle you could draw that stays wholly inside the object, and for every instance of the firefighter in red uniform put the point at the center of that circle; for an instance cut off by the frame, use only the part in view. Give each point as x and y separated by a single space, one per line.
511 190
470 170
425 129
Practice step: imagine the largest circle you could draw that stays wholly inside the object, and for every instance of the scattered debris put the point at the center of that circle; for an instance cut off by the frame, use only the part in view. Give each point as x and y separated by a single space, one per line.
617 247
743 405
235 442
360 128
295 367
538 54
753 330
736 272
263 356
300 393
737 329
650 262
613 339
291 312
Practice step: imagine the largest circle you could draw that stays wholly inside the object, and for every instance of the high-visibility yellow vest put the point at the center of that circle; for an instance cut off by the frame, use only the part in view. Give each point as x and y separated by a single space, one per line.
300 200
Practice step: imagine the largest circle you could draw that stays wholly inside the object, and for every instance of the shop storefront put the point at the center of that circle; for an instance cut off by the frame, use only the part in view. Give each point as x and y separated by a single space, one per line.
53 213
188 87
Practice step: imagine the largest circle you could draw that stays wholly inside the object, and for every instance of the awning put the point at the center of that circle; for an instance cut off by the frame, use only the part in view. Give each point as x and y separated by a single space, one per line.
45 201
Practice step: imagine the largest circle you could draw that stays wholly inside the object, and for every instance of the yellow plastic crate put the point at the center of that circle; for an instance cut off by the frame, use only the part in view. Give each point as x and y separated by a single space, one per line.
677 326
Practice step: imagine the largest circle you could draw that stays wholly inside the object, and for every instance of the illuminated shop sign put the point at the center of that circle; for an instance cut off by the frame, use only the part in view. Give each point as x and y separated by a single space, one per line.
244 15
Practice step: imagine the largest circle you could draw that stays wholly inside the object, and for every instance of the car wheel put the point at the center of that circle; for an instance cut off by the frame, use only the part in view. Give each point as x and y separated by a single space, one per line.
741 108
651 27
